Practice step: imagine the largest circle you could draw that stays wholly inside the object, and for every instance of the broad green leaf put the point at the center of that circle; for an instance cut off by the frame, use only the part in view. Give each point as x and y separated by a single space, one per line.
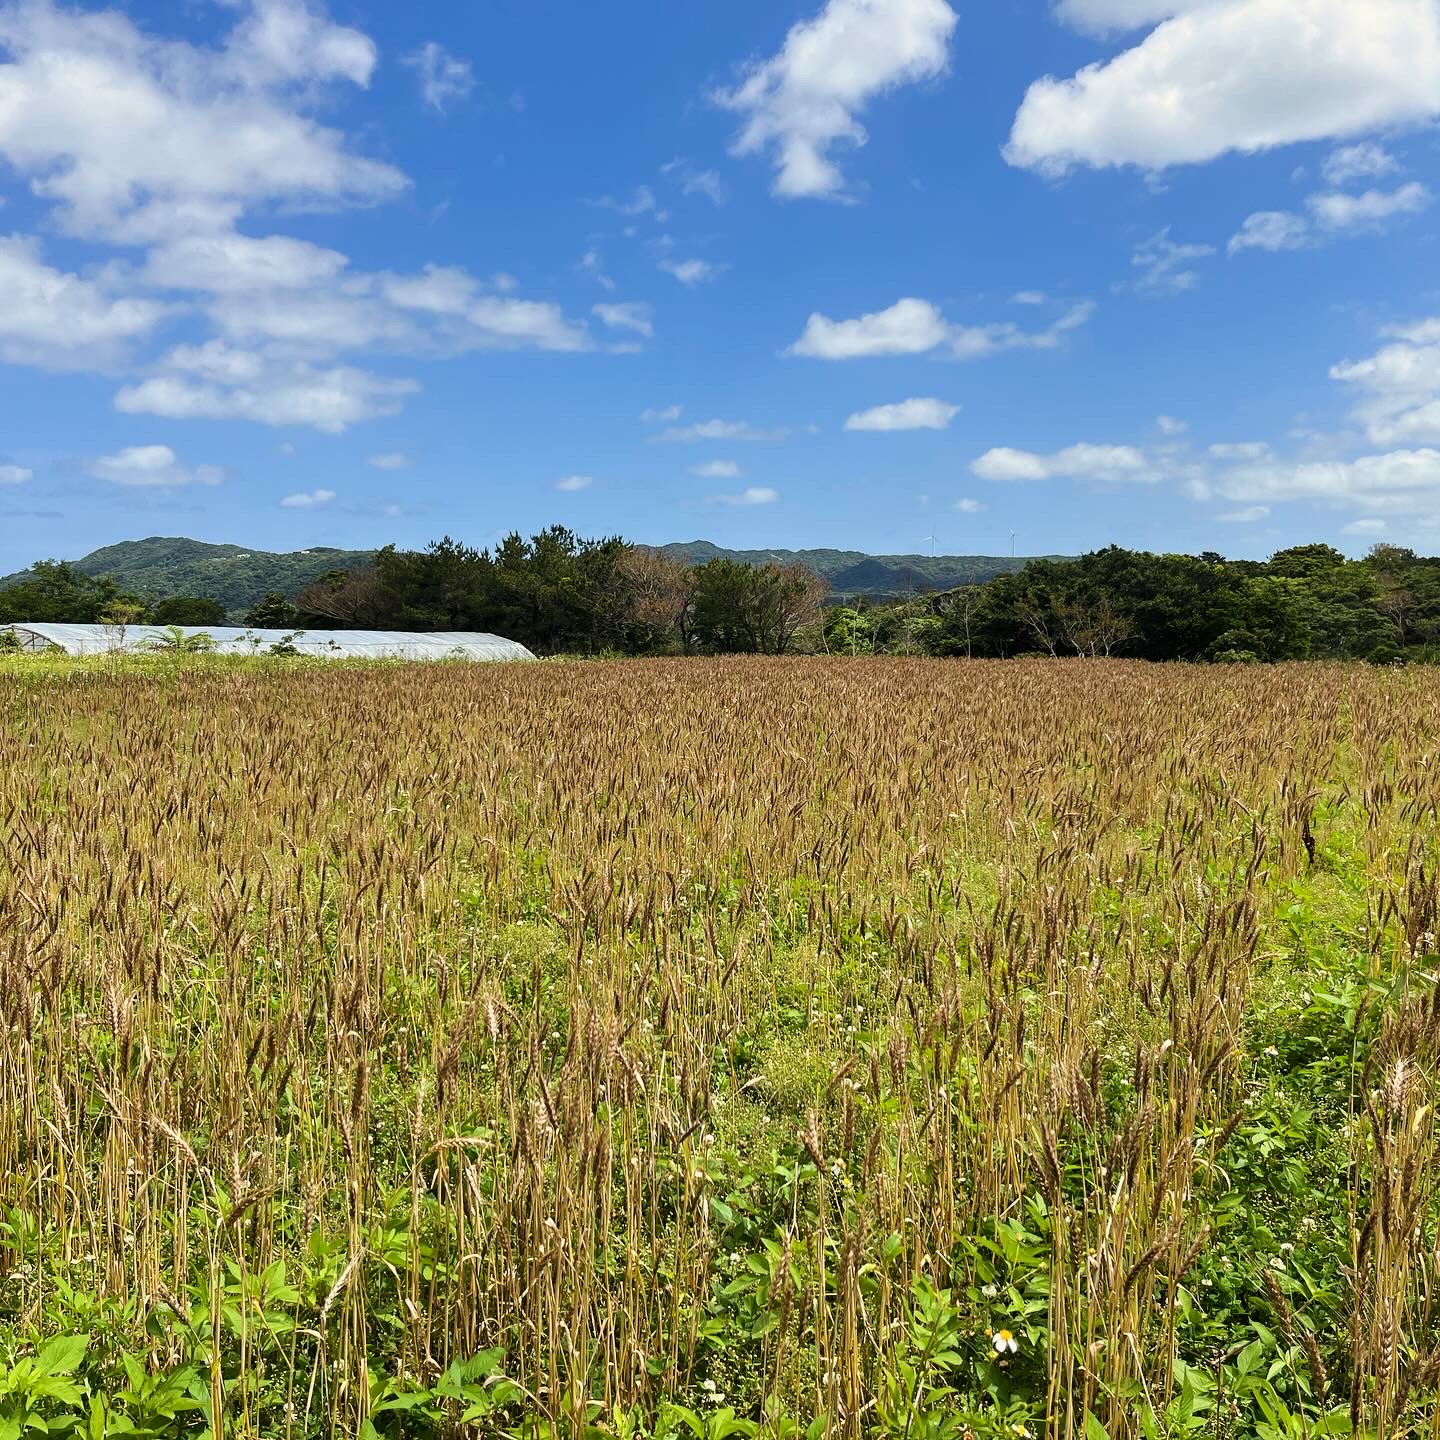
62 1355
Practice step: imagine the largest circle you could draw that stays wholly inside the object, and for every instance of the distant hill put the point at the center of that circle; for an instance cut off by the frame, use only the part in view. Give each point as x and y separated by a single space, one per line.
231 574
854 573
238 577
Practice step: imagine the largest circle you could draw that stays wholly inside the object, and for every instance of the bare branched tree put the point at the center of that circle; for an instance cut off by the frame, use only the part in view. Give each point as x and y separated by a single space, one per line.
348 597
662 591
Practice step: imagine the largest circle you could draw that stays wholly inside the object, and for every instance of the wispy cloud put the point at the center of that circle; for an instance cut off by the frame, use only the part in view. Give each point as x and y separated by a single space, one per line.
444 77
691 272
631 315
719 430
693 181
1165 267
308 499
751 495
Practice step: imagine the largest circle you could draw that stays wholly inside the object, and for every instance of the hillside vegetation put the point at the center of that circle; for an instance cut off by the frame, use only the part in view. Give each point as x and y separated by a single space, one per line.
853 572
560 593
239 578
817 1048
236 577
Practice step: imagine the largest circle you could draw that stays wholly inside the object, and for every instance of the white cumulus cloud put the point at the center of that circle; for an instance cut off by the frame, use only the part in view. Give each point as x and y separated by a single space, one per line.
1396 406
1102 16
139 142
908 327
1406 481
15 474
1104 463
1270 230
153 465
914 327
225 262
135 137
53 318
1233 75
307 499
216 382
916 414
1332 212
807 99
1398 387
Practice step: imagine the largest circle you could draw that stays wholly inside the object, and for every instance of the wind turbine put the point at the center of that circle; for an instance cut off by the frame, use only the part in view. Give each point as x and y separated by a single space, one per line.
1012 544
930 540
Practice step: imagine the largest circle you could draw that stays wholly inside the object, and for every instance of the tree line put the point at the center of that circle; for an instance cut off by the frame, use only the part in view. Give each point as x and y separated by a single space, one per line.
558 593
1304 603
555 593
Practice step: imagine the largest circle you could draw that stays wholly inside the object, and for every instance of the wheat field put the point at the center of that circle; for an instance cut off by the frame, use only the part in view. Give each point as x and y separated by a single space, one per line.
795 1047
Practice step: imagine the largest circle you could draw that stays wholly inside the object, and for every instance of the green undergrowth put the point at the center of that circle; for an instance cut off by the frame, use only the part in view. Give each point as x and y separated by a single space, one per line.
1260 1319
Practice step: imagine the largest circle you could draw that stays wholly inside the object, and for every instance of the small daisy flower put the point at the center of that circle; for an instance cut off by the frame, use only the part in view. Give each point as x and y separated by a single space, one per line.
1004 1342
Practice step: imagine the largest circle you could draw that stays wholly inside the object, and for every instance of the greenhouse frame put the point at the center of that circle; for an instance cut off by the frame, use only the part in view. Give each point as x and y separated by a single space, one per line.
231 640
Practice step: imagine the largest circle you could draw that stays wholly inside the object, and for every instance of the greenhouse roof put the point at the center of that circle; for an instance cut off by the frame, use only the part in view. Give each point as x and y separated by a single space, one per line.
229 640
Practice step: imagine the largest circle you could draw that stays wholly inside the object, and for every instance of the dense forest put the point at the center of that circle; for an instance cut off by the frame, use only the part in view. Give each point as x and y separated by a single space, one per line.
561 594
235 576
165 565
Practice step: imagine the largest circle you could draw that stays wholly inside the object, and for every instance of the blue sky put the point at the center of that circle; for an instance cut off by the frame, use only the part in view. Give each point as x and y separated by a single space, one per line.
885 274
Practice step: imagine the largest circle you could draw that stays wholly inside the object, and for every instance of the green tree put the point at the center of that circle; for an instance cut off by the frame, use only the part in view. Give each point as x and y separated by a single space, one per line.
55 592
274 612
848 631
555 592
187 610
1303 562
753 609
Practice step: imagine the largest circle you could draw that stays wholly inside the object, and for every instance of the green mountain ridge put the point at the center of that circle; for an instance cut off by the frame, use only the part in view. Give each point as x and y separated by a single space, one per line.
231 574
238 577
852 573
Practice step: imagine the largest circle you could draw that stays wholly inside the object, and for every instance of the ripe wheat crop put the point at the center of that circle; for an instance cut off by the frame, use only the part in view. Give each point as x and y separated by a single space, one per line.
797 1047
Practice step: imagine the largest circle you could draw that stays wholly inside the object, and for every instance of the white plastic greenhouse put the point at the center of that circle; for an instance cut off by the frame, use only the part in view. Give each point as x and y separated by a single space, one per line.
229 640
